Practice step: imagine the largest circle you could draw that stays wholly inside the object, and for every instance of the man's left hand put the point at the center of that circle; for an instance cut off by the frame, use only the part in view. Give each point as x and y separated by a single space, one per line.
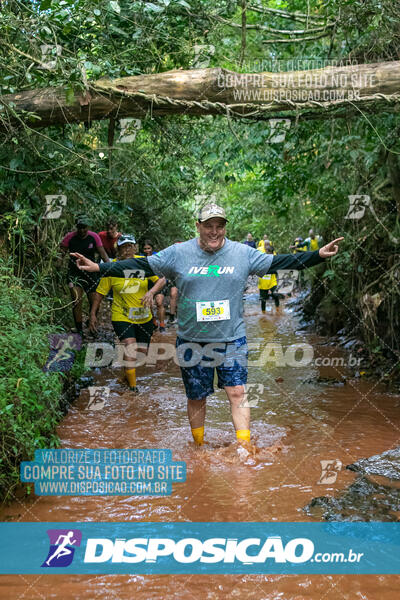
330 249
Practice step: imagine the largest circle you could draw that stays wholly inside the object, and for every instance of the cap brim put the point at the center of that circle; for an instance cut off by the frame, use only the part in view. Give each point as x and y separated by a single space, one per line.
213 217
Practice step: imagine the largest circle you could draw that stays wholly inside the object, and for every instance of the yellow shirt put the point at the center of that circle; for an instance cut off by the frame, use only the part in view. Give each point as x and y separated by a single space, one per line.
303 247
127 295
267 281
314 245
261 246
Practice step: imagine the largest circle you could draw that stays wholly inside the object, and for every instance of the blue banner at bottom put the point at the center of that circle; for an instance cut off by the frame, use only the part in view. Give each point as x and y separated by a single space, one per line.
209 548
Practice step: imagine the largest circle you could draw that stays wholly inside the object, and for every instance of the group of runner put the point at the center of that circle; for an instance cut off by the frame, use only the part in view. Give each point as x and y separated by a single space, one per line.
311 243
111 245
268 285
210 273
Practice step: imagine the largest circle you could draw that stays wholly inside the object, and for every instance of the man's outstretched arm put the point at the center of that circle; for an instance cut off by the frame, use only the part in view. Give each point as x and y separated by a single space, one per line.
114 269
294 261
305 259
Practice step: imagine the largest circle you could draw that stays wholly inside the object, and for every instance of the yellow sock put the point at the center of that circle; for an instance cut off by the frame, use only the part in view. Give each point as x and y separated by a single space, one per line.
198 435
243 434
131 377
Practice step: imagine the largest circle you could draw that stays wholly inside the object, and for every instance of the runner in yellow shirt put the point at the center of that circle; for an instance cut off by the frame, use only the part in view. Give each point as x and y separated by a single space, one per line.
312 241
299 246
264 244
131 320
267 285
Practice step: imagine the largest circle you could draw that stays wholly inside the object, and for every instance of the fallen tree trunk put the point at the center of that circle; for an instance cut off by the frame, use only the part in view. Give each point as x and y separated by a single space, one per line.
328 92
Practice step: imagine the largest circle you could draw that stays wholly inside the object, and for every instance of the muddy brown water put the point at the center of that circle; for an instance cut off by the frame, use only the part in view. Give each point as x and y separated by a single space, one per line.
310 422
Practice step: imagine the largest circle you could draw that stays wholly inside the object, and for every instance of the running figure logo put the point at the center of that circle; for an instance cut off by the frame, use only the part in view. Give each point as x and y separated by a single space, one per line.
54 206
252 395
61 551
286 280
98 395
132 287
279 128
357 206
61 357
329 471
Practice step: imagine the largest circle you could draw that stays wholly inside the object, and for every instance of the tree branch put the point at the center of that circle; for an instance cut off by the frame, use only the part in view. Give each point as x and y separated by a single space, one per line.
286 15
21 53
319 93
256 26
290 40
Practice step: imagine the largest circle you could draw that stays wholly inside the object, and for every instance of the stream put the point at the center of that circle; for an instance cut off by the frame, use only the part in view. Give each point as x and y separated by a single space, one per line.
304 414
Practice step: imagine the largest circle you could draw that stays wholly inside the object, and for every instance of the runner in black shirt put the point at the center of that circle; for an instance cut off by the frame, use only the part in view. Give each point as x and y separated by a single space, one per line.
86 243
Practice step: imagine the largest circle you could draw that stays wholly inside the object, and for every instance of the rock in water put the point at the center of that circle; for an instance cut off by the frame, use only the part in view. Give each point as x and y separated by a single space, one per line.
363 500
386 464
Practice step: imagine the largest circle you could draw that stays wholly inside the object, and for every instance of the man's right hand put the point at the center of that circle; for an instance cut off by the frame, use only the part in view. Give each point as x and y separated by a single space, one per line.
84 264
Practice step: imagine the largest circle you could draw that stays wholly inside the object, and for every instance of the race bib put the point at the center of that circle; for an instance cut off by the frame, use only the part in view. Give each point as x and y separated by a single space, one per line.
218 310
267 277
137 313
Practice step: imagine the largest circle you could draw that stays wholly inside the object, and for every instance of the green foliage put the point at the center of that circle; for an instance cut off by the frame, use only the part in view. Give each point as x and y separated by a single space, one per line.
29 397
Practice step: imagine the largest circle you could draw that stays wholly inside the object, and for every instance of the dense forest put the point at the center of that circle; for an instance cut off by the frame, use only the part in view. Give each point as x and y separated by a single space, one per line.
154 172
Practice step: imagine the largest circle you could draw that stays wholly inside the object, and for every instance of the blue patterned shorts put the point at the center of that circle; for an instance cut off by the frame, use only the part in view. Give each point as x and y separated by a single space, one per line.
198 361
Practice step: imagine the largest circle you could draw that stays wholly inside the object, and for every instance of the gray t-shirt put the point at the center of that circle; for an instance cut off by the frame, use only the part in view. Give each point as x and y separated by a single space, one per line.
204 277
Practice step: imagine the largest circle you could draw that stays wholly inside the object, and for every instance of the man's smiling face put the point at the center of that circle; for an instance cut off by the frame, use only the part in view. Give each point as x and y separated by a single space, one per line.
212 233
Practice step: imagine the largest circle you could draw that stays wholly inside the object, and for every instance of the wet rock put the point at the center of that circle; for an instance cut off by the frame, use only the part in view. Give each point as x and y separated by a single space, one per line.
82 383
306 325
250 295
297 301
325 502
351 343
85 381
386 464
363 500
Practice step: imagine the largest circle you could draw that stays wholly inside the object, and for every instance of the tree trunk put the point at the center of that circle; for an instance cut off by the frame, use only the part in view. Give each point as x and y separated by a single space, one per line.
332 91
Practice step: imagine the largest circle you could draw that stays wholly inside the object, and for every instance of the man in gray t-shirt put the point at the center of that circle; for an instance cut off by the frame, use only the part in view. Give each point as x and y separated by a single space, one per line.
204 277
210 273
